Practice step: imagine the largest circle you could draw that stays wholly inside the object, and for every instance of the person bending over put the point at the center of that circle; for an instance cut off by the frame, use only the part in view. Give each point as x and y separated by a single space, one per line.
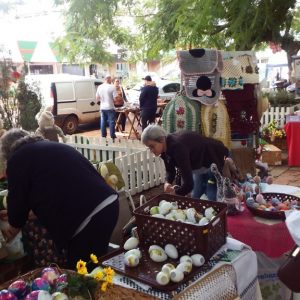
192 154
63 190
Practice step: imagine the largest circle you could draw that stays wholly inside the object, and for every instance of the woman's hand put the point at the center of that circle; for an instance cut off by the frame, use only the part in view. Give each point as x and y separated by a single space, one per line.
168 187
10 232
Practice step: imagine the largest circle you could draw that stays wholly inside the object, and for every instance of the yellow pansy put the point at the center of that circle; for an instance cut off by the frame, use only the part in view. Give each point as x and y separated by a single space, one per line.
98 275
80 265
82 271
104 286
109 279
94 258
109 271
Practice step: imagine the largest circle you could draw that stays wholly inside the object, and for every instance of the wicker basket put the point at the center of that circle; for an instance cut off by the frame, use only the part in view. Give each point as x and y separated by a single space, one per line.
115 292
272 214
30 276
187 238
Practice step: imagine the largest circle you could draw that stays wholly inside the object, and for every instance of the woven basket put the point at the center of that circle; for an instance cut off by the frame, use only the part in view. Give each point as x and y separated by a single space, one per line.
30 276
116 292
187 238
272 214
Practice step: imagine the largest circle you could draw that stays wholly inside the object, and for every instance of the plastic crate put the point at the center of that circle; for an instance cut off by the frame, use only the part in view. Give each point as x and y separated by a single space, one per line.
187 238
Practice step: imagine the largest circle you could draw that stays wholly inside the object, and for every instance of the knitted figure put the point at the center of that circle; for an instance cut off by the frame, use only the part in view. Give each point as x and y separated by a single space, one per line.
231 198
219 178
48 129
231 171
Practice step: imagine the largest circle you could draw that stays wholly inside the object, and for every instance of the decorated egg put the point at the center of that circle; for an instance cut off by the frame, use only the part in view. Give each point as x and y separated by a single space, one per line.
7 295
39 295
260 199
250 201
275 201
19 288
61 282
59 296
269 180
50 274
255 205
62 278
131 243
40 284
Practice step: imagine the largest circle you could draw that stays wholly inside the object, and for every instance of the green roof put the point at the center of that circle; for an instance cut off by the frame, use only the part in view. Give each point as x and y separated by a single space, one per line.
27 48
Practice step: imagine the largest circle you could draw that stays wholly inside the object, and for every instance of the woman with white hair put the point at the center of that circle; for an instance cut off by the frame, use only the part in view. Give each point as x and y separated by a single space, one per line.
192 154
64 191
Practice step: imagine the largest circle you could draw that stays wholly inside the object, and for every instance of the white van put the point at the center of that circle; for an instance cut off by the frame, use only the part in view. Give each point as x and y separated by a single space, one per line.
71 99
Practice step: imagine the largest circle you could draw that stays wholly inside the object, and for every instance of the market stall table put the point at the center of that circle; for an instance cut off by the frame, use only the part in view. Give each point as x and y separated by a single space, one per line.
225 278
261 234
270 239
293 141
128 112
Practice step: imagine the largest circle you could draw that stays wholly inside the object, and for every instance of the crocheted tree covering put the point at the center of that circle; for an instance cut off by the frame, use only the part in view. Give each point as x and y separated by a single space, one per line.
180 114
242 110
215 123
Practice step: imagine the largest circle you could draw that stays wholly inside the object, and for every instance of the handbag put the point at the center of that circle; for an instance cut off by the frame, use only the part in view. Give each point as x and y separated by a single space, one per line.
288 272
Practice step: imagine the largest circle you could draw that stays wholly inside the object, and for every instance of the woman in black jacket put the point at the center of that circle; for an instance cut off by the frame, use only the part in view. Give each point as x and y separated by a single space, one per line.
63 190
192 154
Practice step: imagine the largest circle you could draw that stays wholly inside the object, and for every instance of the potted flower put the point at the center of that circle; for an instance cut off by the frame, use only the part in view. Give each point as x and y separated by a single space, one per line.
272 134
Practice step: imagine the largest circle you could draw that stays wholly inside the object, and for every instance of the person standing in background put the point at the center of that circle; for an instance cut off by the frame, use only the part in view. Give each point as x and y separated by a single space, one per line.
119 101
105 94
148 102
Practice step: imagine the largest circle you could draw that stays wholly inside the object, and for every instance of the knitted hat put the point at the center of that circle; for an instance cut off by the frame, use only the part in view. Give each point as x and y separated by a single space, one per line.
46 119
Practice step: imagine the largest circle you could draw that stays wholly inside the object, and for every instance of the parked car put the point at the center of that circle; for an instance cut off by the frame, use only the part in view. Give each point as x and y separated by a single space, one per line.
166 90
71 99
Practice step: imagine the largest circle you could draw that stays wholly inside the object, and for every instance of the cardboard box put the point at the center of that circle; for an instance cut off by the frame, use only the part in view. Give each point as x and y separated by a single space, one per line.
271 155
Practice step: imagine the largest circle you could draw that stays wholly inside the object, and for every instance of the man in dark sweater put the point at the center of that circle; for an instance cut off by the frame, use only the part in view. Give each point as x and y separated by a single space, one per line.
148 102
64 191
192 154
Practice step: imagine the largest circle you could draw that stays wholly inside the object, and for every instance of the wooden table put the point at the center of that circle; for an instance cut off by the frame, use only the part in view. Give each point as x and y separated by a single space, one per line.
133 122
159 112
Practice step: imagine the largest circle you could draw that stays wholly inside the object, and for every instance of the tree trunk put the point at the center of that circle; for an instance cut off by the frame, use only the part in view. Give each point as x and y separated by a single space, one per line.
291 48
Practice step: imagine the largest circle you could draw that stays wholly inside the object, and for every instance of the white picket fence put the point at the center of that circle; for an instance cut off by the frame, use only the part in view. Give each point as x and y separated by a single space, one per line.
278 114
140 169
99 149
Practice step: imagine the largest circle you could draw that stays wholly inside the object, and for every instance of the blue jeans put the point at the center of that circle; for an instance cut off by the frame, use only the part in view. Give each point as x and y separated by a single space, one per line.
204 183
110 117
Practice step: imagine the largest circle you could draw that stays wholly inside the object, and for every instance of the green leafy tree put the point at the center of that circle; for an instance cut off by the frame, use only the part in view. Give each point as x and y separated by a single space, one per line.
29 103
164 25
19 103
